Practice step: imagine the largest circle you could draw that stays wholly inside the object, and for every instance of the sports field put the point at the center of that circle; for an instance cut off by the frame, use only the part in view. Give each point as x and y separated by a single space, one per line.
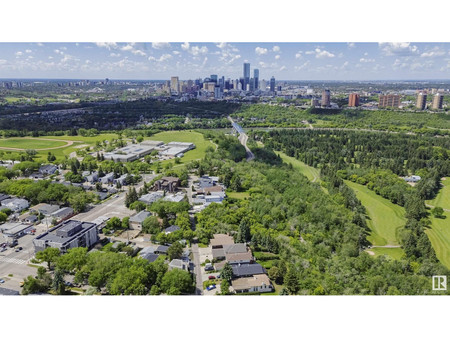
443 197
386 218
395 253
185 136
311 173
21 143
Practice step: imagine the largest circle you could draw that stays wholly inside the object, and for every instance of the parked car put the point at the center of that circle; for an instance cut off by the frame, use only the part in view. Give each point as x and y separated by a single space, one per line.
3 249
209 267
211 277
211 287
2 281
18 249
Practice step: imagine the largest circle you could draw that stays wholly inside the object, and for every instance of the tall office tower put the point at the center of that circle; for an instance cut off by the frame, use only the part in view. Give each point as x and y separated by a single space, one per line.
438 99
272 84
390 100
353 100
421 102
217 92
213 78
242 82
326 98
263 85
256 77
252 84
314 102
246 75
174 83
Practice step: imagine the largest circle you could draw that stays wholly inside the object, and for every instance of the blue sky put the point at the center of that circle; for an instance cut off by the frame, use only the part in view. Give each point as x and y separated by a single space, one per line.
285 61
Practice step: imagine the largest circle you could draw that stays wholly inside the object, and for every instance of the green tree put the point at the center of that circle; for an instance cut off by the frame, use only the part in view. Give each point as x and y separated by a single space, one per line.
227 272
438 212
33 285
177 281
291 281
224 287
151 225
175 251
48 255
58 283
73 260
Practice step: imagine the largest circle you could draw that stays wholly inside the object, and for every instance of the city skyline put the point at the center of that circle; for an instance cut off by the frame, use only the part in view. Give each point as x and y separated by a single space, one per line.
284 61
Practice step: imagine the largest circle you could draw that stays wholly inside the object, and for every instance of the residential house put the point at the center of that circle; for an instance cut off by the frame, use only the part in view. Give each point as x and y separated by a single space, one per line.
169 184
92 178
137 220
62 213
171 229
4 197
178 264
45 209
107 179
247 270
256 283
48 169
162 249
151 197
15 204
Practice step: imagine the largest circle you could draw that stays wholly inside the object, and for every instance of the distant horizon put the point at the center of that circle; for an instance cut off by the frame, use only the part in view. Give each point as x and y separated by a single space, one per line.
158 61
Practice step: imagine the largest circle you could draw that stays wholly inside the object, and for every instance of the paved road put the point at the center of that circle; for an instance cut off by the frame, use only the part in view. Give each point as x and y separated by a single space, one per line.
243 138
115 206
197 270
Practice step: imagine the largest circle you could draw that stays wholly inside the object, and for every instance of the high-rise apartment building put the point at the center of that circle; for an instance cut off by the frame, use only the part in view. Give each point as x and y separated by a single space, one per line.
246 75
326 98
175 83
256 77
421 102
353 100
263 85
438 100
390 100
272 84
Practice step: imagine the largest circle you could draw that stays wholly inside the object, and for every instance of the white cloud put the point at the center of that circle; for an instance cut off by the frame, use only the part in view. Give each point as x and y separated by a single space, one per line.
299 55
276 49
40 44
283 68
114 55
364 60
127 48
303 66
261 51
277 57
185 46
321 53
351 45
162 58
432 53
3 62
28 51
18 53
138 52
345 65
175 52
107 45
160 45
196 50
398 48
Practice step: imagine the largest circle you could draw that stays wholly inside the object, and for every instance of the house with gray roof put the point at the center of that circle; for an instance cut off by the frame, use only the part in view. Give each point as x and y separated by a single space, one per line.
15 204
48 169
247 270
171 229
178 264
137 220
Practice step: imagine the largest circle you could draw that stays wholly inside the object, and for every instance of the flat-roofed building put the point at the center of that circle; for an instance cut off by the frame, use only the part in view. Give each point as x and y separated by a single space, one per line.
421 102
129 153
390 100
353 100
438 100
67 235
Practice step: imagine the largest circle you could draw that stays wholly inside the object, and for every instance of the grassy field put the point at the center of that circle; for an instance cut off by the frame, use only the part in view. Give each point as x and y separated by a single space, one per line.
185 136
311 173
29 143
443 197
395 253
386 218
439 234
38 143
238 195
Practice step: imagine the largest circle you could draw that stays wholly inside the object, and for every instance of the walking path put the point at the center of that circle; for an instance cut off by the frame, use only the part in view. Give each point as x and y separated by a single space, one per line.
68 144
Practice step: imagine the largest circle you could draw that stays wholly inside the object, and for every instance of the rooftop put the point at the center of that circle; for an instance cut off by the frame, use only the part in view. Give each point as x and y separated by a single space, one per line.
245 283
221 240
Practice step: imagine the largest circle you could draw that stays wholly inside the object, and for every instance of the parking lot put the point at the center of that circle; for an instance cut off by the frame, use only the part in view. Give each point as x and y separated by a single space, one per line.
14 265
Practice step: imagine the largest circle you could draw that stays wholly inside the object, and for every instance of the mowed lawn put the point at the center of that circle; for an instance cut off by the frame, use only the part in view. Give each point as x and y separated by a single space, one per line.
386 218
443 197
185 136
311 173
439 234
395 253
29 143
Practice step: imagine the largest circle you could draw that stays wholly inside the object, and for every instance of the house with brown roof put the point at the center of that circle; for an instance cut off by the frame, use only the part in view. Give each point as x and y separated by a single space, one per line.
221 240
255 283
169 184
